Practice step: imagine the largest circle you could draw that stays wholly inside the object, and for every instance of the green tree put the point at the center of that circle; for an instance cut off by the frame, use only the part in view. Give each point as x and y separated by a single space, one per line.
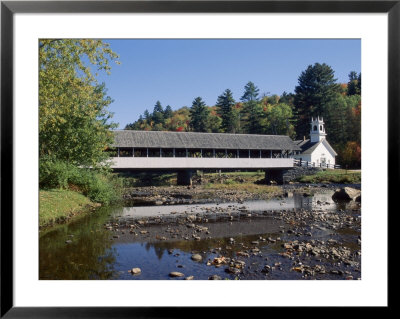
158 115
279 120
199 114
353 86
74 122
214 121
168 112
250 92
317 86
254 120
227 112
287 98
252 110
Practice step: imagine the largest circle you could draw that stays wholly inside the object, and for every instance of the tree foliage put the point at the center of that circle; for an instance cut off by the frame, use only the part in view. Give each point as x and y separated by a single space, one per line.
199 116
317 87
354 84
227 112
74 121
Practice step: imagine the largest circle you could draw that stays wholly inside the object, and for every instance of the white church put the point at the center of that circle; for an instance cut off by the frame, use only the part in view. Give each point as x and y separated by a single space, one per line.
316 149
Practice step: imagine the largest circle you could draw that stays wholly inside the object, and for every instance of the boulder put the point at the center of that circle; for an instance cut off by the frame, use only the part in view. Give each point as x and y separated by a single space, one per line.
196 257
346 193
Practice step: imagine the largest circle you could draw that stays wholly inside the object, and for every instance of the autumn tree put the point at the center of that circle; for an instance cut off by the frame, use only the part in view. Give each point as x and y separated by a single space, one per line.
74 121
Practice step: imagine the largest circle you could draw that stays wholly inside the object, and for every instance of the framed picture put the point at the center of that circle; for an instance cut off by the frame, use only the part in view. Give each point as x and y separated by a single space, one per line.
25 289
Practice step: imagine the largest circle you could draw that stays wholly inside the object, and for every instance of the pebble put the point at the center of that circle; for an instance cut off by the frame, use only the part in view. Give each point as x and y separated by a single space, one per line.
176 274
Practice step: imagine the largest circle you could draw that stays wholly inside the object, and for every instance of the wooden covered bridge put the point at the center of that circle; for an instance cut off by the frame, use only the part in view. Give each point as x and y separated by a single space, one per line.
186 152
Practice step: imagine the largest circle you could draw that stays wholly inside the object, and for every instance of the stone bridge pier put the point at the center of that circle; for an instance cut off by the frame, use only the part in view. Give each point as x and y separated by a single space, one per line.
184 177
274 175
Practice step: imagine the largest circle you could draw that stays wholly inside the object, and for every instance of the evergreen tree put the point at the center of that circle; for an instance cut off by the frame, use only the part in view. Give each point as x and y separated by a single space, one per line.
225 105
147 116
167 112
254 118
317 86
199 114
250 92
252 110
352 86
158 114
287 98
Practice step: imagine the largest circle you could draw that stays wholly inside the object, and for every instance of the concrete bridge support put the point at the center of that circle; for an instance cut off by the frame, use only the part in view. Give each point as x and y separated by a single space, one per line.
184 177
274 175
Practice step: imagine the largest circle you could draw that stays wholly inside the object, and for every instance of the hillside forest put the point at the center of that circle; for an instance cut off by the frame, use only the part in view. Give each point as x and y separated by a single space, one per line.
317 94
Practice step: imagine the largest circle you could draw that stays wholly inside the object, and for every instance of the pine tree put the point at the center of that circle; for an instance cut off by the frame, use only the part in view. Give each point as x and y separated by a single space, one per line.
252 110
352 86
158 114
199 114
250 92
317 86
167 112
225 105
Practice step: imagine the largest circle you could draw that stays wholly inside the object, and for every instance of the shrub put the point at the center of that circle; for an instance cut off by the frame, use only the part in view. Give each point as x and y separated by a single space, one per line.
100 187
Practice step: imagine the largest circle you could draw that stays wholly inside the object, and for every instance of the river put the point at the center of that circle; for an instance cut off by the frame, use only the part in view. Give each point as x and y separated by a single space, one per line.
298 237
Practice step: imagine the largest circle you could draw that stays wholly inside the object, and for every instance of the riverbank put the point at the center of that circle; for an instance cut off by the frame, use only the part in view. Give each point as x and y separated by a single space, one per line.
59 205
236 187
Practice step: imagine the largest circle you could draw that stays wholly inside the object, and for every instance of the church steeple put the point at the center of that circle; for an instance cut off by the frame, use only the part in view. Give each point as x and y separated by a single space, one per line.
317 132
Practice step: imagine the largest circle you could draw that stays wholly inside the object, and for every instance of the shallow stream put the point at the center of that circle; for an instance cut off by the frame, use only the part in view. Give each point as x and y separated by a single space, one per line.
109 242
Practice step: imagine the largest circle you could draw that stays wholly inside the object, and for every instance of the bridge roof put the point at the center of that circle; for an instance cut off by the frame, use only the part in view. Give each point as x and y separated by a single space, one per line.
158 139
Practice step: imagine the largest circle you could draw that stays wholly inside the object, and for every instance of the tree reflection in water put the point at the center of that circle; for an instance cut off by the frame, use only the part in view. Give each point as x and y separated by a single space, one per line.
88 256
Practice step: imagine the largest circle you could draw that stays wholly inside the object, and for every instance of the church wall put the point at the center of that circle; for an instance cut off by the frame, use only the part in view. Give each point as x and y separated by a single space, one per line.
322 151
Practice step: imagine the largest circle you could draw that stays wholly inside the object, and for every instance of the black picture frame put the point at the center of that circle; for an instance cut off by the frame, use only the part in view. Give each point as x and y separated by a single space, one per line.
9 8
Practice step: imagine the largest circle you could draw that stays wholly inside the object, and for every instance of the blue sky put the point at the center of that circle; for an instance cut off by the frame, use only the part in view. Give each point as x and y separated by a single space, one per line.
177 71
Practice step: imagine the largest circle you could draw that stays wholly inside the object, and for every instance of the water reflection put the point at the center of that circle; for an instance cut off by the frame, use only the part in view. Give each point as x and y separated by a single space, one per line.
295 200
79 250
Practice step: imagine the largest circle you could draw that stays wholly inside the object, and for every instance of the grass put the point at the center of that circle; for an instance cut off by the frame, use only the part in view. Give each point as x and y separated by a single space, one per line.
248 187
56 205
240 181
339 176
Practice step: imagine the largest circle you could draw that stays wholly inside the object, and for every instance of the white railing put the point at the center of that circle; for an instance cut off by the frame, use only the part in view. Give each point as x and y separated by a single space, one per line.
297 162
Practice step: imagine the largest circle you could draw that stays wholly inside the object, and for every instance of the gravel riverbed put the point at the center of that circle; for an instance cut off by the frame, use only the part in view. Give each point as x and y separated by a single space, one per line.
318 241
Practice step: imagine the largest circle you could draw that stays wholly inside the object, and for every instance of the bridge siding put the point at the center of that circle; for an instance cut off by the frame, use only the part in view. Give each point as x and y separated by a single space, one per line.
199 163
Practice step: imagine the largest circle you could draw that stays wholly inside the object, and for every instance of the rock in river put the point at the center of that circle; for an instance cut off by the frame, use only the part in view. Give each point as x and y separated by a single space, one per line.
176 274
136 271
197 257
346 193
